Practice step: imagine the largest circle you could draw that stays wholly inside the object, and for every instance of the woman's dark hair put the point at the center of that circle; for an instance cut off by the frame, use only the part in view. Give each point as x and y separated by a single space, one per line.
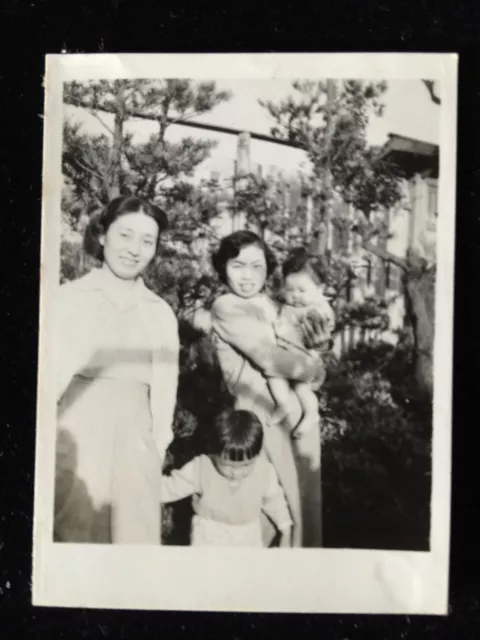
298 261
230 247
236 436
99 223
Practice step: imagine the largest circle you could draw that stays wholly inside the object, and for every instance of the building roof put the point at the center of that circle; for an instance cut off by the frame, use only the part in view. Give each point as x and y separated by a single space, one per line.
413 156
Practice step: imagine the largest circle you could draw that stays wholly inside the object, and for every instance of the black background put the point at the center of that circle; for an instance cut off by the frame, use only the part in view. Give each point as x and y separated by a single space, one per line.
29 30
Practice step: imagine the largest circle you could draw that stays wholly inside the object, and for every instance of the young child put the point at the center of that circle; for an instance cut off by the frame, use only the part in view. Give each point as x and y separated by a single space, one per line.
304 303
231 486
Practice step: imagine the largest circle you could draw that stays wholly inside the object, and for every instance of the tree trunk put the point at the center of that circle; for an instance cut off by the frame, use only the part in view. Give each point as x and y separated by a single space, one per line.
420 307
419 291
319 244
114 190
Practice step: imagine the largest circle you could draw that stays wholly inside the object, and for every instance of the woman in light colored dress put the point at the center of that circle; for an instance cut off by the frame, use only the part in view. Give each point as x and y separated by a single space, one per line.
242 326
117 381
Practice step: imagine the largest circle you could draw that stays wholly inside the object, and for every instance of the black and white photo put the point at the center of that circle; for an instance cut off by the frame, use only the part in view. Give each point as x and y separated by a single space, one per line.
246 332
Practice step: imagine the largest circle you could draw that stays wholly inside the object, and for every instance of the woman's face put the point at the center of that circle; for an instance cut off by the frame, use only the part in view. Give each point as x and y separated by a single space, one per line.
130 244
246 274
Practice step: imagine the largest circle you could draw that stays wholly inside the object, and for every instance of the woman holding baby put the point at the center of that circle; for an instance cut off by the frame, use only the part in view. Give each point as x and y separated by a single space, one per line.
270 372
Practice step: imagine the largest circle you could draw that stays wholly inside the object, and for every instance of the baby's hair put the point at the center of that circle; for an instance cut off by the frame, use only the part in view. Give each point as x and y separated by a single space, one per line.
237 436
99 223
300 261
230 247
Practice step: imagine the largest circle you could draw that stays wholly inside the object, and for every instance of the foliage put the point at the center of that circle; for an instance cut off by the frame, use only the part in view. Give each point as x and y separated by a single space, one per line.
377 457
103 166
265 204
74 262
332 129
371 313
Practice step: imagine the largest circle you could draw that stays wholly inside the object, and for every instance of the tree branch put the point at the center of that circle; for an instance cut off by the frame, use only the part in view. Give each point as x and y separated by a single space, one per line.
89 169
95 115
385 255
431 90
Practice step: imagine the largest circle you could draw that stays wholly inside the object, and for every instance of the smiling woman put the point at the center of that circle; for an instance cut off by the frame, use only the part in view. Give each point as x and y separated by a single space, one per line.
117 380
129 244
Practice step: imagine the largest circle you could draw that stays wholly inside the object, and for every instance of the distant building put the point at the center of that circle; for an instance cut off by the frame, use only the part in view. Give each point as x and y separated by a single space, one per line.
411 222
420 163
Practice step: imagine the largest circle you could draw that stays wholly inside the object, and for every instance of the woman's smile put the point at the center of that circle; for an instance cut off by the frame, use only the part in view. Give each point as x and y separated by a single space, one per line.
128 261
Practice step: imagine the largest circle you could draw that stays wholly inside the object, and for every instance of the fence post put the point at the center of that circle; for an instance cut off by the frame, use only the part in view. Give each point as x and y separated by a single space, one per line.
242 169
382 266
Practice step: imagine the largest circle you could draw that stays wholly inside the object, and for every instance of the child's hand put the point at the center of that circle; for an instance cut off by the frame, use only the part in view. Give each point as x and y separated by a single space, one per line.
314 329
315 318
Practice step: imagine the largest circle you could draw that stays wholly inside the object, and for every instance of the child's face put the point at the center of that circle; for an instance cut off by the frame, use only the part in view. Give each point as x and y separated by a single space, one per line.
233 471
300 289
246 274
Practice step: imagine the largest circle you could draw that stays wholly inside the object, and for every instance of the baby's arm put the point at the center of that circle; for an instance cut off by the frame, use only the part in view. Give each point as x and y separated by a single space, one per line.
276 508
328 317
318 325
182 482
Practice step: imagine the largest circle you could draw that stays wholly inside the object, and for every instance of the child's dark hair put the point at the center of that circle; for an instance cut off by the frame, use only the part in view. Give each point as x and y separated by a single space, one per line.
236 436
230 247
99 223
298 261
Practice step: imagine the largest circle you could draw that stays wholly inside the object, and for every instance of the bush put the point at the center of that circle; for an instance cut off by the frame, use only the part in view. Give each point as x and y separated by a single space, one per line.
377 451
74 263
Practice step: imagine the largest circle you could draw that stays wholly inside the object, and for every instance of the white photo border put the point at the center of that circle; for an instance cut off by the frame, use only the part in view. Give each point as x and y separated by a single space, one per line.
280 580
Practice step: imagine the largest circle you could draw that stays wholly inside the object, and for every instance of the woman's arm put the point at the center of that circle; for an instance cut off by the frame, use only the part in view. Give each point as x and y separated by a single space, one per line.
239 327
165 383
74 333
274 502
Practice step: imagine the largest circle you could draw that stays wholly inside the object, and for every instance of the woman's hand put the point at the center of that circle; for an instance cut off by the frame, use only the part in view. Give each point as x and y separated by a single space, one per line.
285 538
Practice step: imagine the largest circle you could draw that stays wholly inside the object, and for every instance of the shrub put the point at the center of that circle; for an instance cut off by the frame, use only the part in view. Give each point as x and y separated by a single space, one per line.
376 453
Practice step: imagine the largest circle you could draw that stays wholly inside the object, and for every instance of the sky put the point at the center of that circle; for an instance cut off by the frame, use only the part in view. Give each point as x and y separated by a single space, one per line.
409 111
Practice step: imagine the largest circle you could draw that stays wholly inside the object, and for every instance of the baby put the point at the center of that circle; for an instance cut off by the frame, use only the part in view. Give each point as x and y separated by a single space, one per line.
304 303
231 486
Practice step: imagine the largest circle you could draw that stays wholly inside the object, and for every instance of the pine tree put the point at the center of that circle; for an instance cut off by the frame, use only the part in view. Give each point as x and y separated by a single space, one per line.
104 166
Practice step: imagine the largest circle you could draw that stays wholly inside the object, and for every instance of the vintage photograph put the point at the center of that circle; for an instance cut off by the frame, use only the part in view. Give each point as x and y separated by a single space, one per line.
242 312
